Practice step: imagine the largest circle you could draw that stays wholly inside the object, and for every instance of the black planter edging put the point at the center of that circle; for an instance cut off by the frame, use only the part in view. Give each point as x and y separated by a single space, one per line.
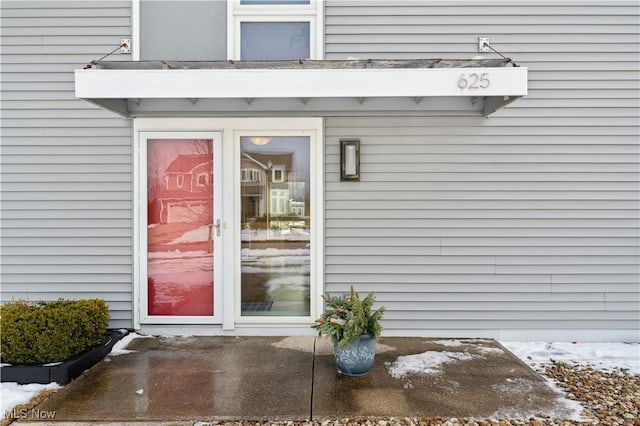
66 371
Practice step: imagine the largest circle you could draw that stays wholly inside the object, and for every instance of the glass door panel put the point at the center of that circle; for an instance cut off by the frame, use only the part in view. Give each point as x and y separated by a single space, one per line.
275 225
180 227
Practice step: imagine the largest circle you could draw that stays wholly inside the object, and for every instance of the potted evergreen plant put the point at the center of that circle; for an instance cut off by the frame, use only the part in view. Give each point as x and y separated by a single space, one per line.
353 328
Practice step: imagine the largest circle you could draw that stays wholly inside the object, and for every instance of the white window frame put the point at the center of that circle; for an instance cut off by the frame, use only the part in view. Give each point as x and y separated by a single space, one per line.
312 13
274 172
250 176
278 200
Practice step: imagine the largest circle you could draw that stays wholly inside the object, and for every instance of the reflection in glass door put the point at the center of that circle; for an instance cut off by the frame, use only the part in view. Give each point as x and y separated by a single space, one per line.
180 227
275 225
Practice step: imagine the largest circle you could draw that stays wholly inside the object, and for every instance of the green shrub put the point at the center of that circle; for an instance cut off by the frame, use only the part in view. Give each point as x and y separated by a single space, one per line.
44 332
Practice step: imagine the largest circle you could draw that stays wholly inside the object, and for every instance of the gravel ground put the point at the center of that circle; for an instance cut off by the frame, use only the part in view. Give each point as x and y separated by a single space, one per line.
610 398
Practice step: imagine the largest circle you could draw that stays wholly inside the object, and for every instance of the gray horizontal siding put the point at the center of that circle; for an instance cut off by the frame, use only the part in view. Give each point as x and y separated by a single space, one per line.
66 166
459 234
524 221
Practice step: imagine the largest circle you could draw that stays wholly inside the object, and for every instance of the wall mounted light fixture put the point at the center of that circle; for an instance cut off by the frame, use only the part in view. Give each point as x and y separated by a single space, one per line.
350 160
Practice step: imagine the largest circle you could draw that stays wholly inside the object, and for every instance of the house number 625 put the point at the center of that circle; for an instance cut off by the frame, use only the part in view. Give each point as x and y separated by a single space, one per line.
474 81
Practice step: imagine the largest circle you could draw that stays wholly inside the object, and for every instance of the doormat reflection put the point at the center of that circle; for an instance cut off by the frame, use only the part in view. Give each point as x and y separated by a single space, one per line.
256 306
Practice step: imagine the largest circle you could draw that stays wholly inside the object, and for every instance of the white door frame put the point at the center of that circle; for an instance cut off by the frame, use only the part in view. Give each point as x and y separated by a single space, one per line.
228 210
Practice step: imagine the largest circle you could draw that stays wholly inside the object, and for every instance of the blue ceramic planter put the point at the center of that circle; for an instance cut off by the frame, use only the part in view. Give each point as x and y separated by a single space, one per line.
357 358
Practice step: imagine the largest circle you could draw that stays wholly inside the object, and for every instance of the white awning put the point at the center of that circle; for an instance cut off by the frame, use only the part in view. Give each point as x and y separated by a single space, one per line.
301 87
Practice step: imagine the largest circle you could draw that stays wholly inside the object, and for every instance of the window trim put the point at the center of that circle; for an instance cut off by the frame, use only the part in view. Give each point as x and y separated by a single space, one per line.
250 175
135 30
281 196
282 174
312 13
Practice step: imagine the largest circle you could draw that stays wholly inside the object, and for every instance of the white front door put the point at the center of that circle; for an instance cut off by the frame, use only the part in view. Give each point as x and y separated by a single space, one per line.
180 242
229 224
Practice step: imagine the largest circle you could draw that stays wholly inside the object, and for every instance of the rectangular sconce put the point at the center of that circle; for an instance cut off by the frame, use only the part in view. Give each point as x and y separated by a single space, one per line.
349 160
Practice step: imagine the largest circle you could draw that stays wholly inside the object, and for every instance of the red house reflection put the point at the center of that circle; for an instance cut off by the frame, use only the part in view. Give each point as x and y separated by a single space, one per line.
187 195
179 236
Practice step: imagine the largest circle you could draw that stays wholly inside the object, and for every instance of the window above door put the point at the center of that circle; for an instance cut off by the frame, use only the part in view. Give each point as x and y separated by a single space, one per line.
274 29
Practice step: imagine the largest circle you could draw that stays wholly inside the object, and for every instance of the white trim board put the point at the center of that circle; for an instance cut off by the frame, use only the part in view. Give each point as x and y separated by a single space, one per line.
119 89
294 83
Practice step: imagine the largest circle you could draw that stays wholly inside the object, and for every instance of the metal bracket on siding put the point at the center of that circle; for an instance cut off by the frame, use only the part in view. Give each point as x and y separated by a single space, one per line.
483 44
125 45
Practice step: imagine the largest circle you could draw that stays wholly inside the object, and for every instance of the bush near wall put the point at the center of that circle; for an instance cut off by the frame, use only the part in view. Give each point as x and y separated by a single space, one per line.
45 332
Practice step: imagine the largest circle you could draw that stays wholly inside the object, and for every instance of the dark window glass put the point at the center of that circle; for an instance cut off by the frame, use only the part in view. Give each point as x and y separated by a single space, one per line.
274 40
276 226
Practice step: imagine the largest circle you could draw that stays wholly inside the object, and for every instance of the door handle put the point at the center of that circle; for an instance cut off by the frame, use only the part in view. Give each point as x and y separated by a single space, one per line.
217 226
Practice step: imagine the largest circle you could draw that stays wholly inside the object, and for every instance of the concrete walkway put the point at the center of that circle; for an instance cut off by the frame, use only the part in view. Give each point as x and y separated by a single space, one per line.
190 379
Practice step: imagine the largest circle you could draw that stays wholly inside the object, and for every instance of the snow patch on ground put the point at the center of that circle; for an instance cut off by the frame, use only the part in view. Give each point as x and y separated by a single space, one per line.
119 347
574 408
449 343
563 408
14 394
429 362
604 356
472 345
484 350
